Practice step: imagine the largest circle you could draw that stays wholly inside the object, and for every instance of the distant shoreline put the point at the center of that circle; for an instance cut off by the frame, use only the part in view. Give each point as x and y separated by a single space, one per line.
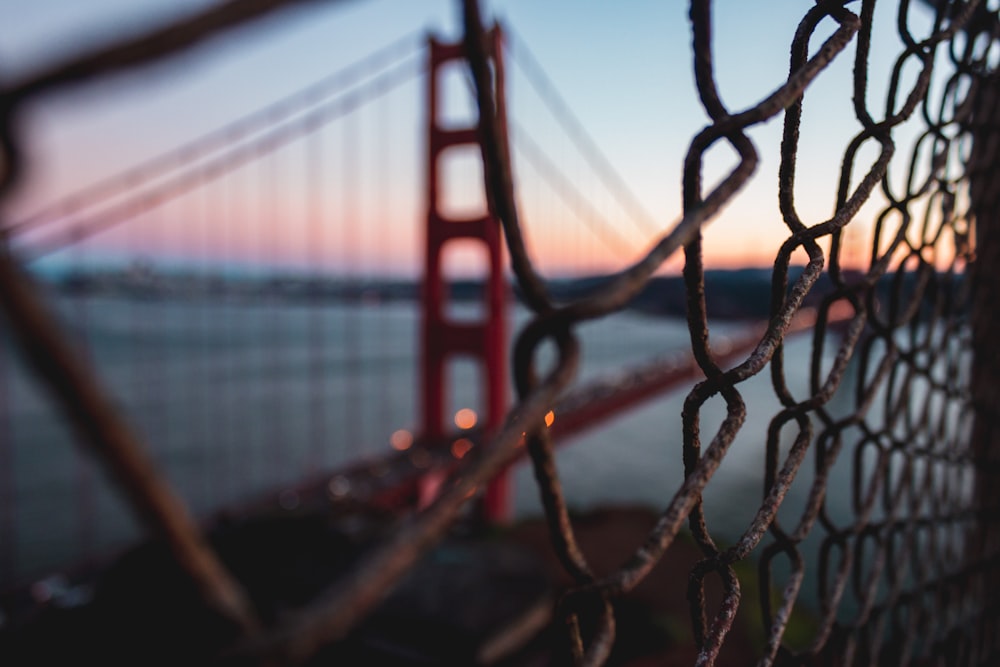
736 294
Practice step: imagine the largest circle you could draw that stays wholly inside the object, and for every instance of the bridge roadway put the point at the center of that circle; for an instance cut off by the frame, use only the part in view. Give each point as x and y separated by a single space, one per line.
399 479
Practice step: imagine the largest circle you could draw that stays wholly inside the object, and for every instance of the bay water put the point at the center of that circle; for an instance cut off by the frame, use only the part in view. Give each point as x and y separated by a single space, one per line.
238 397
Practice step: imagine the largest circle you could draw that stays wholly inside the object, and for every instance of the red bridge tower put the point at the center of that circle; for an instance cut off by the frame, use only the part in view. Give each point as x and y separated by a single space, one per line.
443 339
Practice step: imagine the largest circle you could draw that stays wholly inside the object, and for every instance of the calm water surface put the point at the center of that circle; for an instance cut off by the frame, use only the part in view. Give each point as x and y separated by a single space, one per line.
237 398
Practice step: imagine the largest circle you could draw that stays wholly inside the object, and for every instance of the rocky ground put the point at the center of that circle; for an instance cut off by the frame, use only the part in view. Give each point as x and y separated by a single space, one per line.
482 596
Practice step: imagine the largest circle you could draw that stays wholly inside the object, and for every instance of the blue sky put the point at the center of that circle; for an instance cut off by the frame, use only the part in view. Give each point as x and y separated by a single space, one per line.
624 68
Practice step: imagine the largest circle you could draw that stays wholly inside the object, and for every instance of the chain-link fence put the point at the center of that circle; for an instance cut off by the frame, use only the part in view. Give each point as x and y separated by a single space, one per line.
900 564
904 569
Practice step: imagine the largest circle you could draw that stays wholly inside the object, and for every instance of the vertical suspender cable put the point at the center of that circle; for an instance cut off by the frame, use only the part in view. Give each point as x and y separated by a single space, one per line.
218 479
196 437
275 320
352 403
315 201
383 226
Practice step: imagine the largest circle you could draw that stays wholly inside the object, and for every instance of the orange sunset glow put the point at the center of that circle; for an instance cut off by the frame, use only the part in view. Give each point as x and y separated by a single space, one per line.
341 189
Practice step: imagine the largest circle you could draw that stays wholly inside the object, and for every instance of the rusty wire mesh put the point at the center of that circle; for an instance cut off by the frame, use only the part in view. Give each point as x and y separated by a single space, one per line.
909 572
906 575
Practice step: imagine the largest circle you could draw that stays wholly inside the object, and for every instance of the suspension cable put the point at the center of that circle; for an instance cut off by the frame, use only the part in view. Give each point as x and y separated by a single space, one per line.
597 223
250 150
220 139
639 216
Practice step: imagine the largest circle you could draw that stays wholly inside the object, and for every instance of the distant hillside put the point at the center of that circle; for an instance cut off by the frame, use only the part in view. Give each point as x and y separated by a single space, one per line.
730 294
734 294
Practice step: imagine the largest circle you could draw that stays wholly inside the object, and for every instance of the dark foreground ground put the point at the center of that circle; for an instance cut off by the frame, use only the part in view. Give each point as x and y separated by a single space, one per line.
480 597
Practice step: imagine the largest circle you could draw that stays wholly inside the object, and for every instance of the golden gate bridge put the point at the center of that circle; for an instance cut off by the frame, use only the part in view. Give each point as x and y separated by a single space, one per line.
304 173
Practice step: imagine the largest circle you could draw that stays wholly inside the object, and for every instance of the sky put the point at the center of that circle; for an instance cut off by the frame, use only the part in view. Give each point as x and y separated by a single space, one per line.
623 68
